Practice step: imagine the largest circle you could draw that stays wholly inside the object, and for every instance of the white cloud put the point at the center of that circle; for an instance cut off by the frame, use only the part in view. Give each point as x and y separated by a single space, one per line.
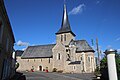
34 44
109 47
118 39
54 42
97 2
118 50
20 43
77 10
24 49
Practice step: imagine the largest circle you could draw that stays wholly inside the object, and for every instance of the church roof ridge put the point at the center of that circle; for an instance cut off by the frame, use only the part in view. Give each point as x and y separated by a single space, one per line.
80 40
42 45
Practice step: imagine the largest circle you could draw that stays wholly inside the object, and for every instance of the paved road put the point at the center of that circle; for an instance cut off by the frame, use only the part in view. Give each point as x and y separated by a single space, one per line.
56 76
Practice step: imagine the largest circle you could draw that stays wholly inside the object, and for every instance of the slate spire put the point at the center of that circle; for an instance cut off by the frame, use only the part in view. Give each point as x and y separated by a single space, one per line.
65 26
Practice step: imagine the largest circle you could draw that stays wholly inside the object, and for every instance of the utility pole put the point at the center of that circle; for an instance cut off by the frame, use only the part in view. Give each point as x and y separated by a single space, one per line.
98 53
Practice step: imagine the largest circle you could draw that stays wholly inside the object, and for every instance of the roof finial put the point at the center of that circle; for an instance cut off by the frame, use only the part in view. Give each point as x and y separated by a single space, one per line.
64 2
65 5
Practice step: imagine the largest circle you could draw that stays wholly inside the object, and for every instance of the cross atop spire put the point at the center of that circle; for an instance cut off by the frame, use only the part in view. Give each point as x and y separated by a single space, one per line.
64 1
65 26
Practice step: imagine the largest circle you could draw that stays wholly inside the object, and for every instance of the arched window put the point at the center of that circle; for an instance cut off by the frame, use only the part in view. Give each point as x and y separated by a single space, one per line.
28 60
41 60
61 38
49 60
81 58
89 59
58 56
65 37
74 67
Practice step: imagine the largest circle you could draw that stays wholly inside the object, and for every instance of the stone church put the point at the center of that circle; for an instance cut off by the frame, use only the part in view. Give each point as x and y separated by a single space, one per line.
67 55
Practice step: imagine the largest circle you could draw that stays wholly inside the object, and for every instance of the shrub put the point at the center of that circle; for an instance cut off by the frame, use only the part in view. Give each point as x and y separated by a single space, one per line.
54 70
60 71
97 71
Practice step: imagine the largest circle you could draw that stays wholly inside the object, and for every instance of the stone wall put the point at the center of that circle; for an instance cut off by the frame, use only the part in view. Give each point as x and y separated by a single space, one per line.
87 60
73 68
26 64
59 63
69 37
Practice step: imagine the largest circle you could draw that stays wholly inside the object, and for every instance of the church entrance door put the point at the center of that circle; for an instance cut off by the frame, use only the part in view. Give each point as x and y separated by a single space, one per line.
40 68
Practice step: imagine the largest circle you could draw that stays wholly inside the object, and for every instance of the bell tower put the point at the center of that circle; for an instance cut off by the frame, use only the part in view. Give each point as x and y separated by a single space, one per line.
65 34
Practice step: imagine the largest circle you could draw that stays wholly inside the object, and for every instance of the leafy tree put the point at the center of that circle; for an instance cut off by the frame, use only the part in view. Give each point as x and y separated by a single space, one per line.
104 69
118 65
103 62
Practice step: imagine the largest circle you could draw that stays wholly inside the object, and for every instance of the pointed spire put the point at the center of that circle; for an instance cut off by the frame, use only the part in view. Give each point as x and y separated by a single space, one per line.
65 26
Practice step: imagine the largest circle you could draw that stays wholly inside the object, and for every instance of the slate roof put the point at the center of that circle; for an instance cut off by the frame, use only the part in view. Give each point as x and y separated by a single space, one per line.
19 52
65 26
75 62
39 51
82 46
